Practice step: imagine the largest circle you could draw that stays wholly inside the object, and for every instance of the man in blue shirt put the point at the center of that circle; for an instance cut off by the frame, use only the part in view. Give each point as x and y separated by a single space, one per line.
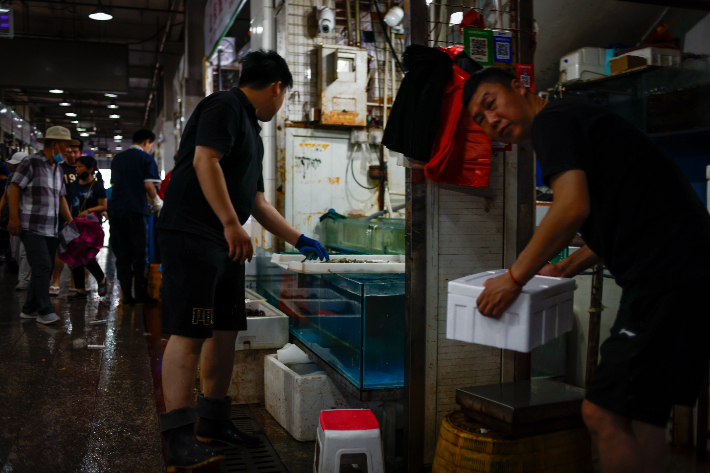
134 175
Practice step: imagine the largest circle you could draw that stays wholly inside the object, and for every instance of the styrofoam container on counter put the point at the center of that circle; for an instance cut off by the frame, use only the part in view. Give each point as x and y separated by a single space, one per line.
270 331
385 264
583 64
251 296
657 56
543 311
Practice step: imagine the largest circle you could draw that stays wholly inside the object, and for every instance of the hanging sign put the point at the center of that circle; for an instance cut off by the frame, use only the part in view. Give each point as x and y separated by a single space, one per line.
219 16
526 75
478 44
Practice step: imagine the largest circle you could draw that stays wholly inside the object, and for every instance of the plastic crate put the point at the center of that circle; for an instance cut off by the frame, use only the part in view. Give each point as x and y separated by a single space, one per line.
541 312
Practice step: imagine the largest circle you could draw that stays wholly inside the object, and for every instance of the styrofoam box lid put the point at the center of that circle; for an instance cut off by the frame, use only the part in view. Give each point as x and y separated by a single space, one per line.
538 286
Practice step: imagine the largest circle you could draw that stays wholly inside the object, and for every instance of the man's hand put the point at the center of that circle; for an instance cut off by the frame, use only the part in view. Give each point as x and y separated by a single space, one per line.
308 245
239 241
83 213
552 270
14 226
498 294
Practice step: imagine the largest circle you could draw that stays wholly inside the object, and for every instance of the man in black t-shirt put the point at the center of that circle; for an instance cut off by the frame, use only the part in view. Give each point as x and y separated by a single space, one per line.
638 215
216 185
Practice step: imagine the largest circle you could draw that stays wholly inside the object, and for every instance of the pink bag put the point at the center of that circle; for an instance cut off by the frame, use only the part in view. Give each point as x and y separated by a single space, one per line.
84 247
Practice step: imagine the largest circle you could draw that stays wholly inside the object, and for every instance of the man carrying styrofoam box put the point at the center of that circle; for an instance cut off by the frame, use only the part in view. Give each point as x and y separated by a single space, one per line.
638 215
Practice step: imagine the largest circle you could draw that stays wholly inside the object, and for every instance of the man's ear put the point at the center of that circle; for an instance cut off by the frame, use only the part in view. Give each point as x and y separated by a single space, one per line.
518 87
277 88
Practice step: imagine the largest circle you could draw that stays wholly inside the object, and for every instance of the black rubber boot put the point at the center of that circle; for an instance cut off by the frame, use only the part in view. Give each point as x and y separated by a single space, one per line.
216 424
184 451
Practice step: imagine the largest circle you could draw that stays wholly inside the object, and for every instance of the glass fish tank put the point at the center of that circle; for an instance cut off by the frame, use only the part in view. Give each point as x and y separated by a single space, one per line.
354 322
380 236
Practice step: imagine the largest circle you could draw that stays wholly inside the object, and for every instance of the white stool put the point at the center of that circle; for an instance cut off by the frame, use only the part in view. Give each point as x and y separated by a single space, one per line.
348 436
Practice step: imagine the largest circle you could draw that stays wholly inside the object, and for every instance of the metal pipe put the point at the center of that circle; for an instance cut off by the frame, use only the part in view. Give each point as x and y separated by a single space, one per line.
350 22
595 320
219 67
357 23
157 64
384 91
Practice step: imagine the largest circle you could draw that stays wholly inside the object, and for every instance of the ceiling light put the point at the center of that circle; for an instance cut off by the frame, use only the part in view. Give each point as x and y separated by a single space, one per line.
456 18
116 141
3 110
65 104
56 91
112 105
114 116
118 137
70 114
101 14
111 95
83 134
119 148
81 129
75 121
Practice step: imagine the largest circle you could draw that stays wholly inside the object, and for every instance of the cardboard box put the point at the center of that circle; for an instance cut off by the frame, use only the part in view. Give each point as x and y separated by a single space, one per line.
624 63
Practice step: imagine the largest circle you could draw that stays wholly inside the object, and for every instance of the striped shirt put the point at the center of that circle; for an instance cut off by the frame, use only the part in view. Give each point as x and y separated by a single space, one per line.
41 187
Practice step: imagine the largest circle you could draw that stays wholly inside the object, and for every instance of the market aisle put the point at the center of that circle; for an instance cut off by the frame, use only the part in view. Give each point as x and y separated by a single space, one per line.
69 408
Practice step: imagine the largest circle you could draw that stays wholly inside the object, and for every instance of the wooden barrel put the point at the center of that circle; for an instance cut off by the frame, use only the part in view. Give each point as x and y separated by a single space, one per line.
465 446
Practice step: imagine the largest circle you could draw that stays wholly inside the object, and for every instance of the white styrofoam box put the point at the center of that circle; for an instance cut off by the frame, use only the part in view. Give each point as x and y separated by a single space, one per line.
270 331
385 264
583 64
250 296
657 56
295 401
542 311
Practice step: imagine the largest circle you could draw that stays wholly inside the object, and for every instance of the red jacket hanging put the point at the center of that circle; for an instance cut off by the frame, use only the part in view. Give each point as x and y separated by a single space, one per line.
462 152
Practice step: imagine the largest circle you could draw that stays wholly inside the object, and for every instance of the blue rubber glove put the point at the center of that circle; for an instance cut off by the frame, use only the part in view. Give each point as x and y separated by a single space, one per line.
308 245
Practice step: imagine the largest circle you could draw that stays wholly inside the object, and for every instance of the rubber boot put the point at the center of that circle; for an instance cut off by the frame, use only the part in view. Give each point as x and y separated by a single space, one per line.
184 451
216 423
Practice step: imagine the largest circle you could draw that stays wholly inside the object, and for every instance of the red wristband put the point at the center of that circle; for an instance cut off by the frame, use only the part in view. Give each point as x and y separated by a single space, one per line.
510 272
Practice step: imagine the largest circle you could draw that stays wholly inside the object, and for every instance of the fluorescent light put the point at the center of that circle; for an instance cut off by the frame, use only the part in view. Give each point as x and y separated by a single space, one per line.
70 114
56 91
111 95
75 121
112 105
118 137
81 129
94 149
100 14
119 148
83 134
114 116
65 104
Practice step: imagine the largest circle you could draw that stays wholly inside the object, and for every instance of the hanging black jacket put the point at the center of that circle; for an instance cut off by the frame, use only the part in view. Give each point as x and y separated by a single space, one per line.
414 118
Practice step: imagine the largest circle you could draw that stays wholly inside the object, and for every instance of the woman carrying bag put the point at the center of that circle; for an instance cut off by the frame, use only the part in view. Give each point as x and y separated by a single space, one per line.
89 202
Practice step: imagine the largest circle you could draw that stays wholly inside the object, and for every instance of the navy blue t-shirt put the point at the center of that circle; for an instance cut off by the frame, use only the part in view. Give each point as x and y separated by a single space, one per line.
86 196
130 170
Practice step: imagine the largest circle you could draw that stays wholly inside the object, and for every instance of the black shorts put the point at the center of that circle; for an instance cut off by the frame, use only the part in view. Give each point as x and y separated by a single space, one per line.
203 290
657 355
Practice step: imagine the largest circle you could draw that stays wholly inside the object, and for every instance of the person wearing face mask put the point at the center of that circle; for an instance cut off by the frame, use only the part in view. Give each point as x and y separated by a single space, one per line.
36 200
89 200
16 246
69 167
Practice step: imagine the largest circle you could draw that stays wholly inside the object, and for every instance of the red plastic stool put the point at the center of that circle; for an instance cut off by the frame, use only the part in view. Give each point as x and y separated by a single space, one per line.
348 436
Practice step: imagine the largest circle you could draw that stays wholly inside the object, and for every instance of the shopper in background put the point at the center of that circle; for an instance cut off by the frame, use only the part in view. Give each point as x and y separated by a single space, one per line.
36 199
133 175
655 244
216 185
89 202
69 167
18 249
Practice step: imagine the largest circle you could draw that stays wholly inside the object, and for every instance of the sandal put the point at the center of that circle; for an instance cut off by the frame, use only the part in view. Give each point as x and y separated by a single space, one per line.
53 290
102 289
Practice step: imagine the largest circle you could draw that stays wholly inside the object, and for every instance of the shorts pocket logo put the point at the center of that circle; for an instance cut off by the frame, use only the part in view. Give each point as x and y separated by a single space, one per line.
205 316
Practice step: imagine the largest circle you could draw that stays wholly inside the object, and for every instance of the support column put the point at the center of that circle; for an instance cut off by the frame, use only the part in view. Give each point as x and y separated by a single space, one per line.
194 55
170 68
415 323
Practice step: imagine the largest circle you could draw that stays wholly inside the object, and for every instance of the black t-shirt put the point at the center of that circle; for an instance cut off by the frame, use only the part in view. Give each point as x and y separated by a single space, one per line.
90 193
130 170
646 222
225 121
69 178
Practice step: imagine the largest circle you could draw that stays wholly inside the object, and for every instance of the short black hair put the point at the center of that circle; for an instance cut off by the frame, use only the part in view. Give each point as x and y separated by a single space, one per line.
80 145
89 162
262 68
489 75
141 135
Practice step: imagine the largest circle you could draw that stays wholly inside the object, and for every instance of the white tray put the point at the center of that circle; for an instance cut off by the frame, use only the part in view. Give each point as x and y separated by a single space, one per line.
390 264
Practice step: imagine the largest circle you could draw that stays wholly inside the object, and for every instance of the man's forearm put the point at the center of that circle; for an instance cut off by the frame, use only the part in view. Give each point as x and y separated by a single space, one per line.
211 178
580 260
150 189
273 221
13 198
64 209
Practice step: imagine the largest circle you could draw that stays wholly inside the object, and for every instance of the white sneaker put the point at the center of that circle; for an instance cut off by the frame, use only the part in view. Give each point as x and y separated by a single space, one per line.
28 316
48 319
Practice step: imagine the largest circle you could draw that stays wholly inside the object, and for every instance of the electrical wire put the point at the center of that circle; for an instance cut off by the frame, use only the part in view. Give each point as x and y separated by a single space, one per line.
352 171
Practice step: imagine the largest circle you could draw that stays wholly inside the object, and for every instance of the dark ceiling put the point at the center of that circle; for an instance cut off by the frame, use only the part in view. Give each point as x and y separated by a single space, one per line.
146 27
